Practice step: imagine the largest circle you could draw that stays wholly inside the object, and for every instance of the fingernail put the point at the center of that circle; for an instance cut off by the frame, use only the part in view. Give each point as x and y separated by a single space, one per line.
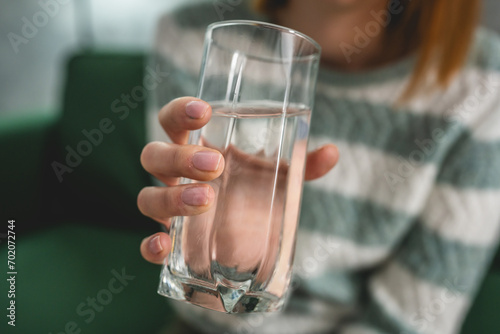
155 246
195 196
206 161
196 109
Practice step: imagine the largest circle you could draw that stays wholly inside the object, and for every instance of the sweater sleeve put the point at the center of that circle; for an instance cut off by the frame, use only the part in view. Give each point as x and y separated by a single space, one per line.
430 282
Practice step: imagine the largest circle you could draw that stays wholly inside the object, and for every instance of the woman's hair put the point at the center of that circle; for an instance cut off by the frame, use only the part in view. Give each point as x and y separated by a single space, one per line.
441 31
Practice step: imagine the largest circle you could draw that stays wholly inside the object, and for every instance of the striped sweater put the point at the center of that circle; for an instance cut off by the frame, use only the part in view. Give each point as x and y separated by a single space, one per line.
397 238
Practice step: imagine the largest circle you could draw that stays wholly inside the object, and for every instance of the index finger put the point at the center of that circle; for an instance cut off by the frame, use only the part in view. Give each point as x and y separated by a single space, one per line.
183 115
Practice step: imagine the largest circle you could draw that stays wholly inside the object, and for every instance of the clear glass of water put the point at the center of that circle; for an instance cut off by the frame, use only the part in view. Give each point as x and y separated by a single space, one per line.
260 81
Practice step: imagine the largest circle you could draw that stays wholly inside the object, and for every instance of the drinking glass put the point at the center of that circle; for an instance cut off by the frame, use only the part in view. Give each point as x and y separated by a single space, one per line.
259 79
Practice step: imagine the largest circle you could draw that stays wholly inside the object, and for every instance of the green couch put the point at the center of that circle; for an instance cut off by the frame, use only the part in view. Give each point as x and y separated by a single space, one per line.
70 181
78 229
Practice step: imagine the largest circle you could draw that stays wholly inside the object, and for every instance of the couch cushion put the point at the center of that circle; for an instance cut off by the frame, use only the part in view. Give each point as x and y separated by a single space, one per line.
96 171
62 269
24 141
483 317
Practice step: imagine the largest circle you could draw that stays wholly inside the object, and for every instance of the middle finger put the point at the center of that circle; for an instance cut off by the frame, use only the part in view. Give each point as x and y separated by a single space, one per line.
167 162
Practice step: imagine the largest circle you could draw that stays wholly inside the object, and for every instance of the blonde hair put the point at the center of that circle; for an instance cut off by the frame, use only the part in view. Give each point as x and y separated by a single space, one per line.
441 31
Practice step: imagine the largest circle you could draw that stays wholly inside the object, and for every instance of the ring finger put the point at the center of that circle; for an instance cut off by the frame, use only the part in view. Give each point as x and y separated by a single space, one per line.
161 203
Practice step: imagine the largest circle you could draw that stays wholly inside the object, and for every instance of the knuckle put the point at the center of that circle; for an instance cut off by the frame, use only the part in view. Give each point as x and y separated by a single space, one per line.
148 153
176 156
181 160
141 201
144 156
167 114
169 202
162 114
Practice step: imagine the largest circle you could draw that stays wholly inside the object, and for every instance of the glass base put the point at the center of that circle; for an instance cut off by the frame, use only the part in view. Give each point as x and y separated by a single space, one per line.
223 296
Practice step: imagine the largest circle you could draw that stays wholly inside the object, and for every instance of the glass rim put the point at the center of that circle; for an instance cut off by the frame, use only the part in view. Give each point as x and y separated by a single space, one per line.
272 26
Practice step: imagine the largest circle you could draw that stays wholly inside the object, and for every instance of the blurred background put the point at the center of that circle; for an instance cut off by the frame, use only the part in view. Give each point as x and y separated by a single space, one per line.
81 220
30 79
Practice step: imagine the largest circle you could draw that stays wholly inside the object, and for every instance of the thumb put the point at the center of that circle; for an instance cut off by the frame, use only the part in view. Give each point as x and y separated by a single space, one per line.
321 161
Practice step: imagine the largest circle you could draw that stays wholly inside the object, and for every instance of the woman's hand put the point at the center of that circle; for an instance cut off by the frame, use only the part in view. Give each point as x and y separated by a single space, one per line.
169 162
